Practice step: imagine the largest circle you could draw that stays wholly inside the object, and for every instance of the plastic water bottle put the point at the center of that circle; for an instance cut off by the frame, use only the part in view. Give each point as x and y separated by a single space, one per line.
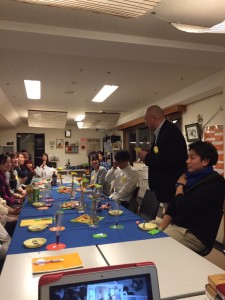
47 189
43 173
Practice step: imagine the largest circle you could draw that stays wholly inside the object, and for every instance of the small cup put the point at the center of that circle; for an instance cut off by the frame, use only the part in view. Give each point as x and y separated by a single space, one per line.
29 190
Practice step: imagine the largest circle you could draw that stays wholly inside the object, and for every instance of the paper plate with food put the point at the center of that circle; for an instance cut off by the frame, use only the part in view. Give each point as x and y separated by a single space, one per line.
147 226
34 242
69 204
115 212
64 190
43 208
36 227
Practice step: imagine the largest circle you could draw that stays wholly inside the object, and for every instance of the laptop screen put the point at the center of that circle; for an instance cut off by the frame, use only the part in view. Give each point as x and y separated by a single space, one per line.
130 288
121 282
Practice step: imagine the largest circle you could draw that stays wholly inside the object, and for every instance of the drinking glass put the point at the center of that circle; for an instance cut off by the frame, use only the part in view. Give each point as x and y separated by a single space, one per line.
48 188
29 190
73 191
57 245
93 218
56 210
116 212
81 204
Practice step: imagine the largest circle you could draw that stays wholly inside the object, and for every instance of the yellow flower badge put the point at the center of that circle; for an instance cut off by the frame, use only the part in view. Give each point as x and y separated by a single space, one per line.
123 179
156 150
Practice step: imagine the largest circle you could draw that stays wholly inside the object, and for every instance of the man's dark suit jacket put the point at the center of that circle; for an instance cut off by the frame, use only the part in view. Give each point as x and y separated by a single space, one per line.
166 161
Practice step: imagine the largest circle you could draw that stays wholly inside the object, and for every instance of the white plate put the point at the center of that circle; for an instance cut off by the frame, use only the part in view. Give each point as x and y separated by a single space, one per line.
34 243
36 228
114 212
147 226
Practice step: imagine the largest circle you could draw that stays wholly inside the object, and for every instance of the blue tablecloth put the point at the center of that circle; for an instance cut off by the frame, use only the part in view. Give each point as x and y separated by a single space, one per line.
78 234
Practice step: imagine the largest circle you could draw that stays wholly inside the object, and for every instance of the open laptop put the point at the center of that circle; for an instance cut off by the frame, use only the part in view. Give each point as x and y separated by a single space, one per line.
121 282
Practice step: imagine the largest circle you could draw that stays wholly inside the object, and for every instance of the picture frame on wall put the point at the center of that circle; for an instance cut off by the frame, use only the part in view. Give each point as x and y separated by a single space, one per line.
71 149
193 132
68 133
59 143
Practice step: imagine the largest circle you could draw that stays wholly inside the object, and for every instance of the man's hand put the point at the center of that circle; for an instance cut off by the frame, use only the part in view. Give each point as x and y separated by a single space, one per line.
142 155
182 179
115 164
23 180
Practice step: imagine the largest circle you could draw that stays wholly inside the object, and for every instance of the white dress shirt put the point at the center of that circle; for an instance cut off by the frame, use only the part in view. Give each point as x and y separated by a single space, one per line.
125 182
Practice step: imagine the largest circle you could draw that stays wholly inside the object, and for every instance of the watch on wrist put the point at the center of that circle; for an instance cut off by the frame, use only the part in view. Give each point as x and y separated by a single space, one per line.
178 184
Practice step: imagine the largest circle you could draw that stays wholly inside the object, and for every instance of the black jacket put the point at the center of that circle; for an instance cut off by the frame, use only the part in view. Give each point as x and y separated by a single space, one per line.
200 208
166 166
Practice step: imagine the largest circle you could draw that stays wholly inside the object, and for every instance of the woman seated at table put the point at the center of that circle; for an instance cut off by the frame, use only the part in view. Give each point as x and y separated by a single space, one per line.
102 161
44 161
194 215
12 179
25 170
5 165
98 174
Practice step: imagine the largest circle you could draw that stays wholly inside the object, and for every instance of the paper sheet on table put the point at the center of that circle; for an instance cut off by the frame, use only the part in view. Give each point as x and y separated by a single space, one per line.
39 221
70 261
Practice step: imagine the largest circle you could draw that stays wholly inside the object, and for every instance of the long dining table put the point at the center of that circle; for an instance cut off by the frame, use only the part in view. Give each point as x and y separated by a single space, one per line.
77 234
181 272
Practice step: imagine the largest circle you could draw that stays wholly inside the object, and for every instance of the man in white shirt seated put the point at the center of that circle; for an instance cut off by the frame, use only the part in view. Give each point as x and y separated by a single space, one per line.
125 178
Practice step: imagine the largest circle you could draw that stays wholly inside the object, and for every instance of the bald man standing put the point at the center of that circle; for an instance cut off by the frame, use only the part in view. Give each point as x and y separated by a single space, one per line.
166 160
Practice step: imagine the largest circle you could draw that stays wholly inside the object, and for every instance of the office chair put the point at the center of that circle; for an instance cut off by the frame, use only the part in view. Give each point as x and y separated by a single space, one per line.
208 249
133 203
149 206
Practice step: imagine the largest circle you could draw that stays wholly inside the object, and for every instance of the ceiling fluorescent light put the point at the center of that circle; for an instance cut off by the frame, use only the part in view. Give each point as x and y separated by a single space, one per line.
80 124
104 93
218 28
33 89
79 118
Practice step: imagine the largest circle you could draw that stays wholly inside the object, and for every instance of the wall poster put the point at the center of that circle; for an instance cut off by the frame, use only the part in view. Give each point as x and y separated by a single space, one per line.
214 134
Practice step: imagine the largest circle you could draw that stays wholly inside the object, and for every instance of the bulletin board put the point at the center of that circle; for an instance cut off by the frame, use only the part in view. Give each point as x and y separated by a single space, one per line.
214 134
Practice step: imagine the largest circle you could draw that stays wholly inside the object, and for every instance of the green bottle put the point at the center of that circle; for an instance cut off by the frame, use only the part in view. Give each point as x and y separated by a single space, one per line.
36 193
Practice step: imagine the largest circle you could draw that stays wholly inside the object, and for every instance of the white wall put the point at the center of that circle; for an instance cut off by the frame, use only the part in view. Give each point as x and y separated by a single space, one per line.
209 109
9 135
